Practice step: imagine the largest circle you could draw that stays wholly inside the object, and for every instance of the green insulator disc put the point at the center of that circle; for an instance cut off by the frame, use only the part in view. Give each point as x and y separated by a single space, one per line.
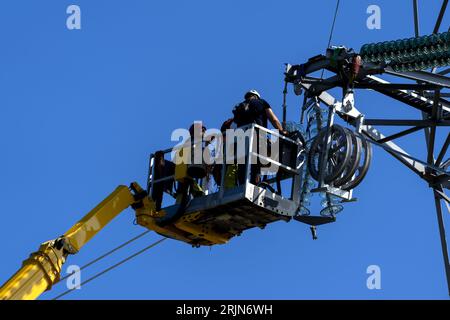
422 41
434 39
426 40
373 48
446 36
442 37
364 49
392 46
415 43
419 54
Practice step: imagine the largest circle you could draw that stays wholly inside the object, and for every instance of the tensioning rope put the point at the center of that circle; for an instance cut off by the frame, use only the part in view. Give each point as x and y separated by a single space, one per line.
108 253
113 266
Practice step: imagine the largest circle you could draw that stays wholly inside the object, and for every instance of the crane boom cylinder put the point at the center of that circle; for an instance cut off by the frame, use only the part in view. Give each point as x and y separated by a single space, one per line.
38 273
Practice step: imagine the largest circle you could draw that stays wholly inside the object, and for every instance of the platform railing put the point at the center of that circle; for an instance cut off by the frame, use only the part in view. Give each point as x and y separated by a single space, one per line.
275 167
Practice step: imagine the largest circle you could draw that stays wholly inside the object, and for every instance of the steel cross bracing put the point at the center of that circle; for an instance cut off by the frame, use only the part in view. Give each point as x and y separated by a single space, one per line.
423 94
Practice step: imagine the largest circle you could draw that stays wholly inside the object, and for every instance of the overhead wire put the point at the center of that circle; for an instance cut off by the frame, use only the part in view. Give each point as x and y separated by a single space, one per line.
332 29
108 253
113 266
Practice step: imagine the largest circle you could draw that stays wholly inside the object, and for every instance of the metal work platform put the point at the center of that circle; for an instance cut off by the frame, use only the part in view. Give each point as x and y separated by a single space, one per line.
237 210
227 211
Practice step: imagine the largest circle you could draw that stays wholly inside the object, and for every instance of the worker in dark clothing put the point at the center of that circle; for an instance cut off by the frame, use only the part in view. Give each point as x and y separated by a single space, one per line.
256 110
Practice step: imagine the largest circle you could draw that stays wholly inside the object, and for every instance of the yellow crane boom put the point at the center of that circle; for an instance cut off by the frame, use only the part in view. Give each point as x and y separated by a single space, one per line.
43 268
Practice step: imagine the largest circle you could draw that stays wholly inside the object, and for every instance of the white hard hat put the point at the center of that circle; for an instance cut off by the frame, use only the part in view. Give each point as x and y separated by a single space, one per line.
256 93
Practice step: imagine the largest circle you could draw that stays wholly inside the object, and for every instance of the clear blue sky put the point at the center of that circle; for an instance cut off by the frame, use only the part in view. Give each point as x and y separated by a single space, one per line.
82 110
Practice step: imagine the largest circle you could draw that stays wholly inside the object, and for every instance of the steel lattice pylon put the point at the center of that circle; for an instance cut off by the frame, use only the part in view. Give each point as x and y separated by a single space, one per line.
422 91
